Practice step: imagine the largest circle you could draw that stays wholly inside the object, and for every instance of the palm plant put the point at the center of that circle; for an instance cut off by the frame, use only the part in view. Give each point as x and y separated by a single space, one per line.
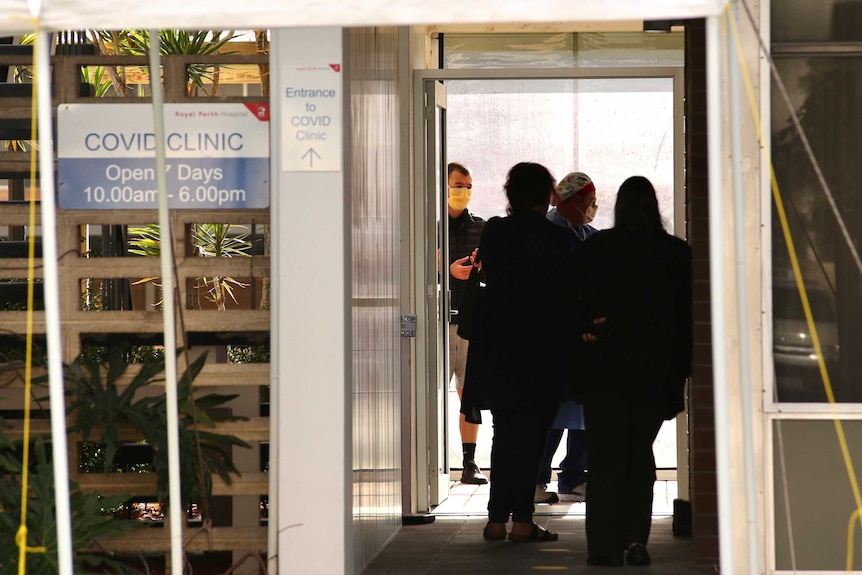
23 75
92 517
101 411
100 78
208 240
137 43
96 76
220 240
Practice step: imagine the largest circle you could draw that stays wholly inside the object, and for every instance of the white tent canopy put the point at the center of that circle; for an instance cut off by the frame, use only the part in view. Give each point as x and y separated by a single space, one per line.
22 16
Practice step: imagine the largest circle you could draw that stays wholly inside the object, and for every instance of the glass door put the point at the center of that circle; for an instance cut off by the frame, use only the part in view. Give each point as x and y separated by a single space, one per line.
433 302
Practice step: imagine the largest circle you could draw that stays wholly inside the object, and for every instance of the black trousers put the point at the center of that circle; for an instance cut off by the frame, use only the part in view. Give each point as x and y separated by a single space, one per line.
620 434
519 442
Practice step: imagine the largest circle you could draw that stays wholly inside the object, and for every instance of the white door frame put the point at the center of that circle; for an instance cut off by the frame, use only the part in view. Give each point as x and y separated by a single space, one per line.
431 296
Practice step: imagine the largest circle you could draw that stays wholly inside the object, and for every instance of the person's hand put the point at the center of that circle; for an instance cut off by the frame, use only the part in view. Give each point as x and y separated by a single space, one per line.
474 259
591 337
459 270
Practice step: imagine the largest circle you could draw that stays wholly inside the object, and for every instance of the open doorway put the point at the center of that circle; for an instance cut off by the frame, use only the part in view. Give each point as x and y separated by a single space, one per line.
608 123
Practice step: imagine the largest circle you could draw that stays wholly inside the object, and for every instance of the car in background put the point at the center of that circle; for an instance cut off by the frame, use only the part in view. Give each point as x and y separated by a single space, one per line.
797 370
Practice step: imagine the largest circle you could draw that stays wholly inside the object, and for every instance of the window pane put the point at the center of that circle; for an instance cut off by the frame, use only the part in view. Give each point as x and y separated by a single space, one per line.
563 50
630 49
824 92
821 21
610 129
508 50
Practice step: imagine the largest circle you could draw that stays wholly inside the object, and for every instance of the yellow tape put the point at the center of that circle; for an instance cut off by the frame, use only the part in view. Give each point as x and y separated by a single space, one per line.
21 536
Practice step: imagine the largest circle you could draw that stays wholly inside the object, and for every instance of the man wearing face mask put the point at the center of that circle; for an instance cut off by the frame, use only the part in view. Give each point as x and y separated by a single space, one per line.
465 229
574 207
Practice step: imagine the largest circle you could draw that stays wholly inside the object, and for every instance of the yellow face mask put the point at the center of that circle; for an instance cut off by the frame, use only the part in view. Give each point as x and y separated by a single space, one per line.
459 198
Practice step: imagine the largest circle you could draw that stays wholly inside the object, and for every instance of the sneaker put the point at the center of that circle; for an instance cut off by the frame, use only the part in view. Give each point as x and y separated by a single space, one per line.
543 495
577 495
472 475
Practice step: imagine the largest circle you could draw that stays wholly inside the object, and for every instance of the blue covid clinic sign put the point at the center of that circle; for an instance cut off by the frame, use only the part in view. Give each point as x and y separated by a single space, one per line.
217 156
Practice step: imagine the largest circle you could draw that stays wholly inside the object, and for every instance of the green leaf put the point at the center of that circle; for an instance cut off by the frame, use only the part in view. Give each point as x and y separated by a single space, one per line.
91 518
99 409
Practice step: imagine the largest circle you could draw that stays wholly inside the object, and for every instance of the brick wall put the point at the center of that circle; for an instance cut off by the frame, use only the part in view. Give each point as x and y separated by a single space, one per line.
701 414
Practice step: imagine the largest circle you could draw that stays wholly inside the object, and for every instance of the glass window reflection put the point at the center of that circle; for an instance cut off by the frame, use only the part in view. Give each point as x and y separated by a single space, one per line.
824 92
796 21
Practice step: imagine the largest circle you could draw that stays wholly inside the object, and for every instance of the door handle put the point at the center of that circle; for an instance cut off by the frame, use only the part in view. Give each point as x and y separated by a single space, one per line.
452 312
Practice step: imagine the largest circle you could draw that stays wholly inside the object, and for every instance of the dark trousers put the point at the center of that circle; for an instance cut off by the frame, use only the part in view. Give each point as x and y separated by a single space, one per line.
620 434
574 464
519 441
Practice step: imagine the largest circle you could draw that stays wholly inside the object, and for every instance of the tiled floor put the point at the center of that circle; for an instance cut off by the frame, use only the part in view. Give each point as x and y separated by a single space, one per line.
453 544
472 500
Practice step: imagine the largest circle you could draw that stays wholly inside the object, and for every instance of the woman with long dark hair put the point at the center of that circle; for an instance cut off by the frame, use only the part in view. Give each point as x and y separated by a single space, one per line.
507 366
632 301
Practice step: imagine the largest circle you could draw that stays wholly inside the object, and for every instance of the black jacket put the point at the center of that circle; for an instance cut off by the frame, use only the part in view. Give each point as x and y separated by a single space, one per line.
642 285
464 234
507 363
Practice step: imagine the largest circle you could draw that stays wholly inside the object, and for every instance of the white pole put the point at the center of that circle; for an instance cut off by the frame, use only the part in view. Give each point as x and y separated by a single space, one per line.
166 256
716 272
742 303
52 303
274 304
274 428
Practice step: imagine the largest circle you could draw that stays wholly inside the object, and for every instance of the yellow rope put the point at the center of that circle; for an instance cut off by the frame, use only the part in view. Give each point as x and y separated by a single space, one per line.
803 295
21 539
851 534
21 535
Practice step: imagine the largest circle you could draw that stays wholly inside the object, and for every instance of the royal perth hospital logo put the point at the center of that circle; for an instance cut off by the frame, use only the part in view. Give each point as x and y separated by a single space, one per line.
260 111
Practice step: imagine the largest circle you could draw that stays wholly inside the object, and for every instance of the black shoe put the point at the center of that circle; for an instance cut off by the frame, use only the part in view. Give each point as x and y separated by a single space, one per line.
472 475
637 555
606 561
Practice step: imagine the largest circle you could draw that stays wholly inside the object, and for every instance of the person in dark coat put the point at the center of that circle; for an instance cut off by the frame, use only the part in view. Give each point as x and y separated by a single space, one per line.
629 288
507 363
